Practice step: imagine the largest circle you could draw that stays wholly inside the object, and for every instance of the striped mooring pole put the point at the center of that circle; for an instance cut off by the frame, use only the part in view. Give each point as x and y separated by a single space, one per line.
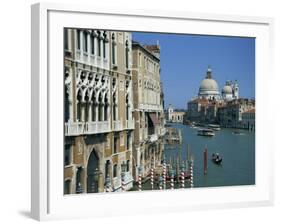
205 161
172 180
191 174
139 180
164 173
123 184
160 183
152 178
182 179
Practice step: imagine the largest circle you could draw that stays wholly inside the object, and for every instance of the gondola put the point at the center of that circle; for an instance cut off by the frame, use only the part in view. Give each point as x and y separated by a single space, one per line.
217 159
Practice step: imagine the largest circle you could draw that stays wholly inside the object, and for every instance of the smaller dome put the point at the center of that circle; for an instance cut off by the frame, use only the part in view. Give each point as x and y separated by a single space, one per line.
227 90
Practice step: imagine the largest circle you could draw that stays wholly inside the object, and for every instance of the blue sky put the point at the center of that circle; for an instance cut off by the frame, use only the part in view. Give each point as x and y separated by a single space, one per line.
184 60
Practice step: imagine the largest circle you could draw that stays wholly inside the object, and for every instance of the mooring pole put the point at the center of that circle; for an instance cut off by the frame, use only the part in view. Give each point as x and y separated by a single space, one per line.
205 161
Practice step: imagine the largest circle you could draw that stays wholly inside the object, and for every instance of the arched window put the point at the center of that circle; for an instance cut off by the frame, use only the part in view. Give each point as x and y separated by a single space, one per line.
115 142
92 44
127 107
114 107
113 42
127 54
66 105
79 105
99 43
94 106
128 140
128 166
66 47
105 108
100 107
107 167
78 40
104 45
115 170
85 41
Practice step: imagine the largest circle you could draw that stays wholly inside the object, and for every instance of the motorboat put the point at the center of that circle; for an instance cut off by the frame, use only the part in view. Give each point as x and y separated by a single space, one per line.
206 132
214 127
217 159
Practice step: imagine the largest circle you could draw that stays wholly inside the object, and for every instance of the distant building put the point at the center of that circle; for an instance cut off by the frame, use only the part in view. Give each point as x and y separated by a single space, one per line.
248 119
230 115
212 107
174 116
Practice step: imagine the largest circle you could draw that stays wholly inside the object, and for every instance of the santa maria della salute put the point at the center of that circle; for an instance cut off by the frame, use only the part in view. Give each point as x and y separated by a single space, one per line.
209 89
225 108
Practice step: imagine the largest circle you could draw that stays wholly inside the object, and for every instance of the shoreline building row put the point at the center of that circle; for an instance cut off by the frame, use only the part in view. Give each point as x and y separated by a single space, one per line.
101 114
225 108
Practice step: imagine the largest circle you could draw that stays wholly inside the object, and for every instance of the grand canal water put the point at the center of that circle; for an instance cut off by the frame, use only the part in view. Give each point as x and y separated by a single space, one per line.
237 151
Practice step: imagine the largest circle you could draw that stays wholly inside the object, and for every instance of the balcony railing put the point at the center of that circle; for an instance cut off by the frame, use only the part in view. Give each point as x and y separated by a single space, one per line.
74 128
80 128
130 124
97 127
117 125
150 107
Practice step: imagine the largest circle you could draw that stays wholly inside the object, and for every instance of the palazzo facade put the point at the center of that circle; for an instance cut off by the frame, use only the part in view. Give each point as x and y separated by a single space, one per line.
148 108
98 106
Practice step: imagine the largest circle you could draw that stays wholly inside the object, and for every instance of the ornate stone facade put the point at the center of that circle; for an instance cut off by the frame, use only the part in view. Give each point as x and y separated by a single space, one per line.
98 110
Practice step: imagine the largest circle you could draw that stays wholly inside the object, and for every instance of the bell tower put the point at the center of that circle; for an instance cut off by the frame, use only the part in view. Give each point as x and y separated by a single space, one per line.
235 90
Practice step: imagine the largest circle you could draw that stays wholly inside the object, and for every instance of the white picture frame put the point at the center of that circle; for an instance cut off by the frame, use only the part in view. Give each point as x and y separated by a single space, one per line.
48 201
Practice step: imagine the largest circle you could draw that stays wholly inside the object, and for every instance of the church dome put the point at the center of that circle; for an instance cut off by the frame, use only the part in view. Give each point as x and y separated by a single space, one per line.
208 85
227 90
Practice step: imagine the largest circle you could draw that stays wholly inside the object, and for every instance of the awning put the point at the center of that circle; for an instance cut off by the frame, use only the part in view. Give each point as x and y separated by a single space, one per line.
154 119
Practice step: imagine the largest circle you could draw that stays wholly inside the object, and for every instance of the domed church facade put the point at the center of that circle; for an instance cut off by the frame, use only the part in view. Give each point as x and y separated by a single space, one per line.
209 89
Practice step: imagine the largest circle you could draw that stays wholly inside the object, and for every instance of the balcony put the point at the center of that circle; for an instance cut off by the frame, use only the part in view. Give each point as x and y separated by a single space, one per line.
150 107
84 128
97 127
130 124
117 125
74 128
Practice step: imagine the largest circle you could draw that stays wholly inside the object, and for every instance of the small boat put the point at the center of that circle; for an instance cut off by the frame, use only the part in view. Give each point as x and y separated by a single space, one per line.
237 132
217 159
206 132
214 127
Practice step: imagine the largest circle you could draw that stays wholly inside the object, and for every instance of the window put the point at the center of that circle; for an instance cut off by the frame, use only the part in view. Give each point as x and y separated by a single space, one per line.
127 54
92 44
104 45
78 40
128 140
115 170
107 166
66 39
115 144
85 41
99 44
113 49
67 154
128 166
